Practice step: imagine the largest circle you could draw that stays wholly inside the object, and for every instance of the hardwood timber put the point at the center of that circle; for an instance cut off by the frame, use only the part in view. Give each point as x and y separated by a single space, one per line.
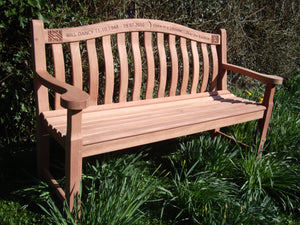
76 64
186 67
137 66
59 70
109 69
162 65
196 67
123 67
264 123
54 184
115 113
94 71
150 65
213 84
268 79
205 73
222 57
174 63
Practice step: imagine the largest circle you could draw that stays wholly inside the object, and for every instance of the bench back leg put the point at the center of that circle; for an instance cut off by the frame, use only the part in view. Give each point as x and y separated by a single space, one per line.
263 124
42 148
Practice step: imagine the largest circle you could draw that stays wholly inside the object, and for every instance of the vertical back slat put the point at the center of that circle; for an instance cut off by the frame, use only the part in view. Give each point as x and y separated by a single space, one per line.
222 54
109 69
215 68
196 67
94 71
76 64
59 70
174 63
150 65
123 67
162 65
137 66
205 67
185 61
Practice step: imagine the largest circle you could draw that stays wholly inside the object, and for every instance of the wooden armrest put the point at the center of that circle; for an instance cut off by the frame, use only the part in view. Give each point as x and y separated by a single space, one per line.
71 97
270 79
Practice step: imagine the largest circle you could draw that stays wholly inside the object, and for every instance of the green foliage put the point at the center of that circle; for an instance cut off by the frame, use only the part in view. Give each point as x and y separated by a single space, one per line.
12 213
113 193
255 29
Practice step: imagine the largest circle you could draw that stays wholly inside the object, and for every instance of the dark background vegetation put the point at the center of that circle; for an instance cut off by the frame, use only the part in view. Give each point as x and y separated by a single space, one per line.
262 35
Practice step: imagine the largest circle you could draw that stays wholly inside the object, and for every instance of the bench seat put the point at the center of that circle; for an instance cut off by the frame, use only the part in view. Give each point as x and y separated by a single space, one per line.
112 126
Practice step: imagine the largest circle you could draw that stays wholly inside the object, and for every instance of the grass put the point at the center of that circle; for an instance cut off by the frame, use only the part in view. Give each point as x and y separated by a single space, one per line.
191 180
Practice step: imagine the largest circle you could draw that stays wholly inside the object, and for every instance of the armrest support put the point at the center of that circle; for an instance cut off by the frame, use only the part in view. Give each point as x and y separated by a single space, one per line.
269 79
71 97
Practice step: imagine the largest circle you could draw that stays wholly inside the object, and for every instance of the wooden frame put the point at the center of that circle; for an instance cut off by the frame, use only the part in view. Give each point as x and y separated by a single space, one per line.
174 102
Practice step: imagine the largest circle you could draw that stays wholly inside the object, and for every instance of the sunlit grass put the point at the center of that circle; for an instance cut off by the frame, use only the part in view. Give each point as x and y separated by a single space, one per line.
196 180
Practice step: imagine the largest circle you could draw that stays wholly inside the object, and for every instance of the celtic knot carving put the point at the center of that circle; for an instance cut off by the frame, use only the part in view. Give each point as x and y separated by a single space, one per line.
55 35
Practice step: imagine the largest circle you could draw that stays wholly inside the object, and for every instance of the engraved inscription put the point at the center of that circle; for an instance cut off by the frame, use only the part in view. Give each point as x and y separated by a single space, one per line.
55 35
134 25
215 39
97 30
178 30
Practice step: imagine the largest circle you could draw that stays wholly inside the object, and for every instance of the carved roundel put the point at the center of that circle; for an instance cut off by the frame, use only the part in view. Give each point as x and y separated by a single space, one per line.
215 39
55 35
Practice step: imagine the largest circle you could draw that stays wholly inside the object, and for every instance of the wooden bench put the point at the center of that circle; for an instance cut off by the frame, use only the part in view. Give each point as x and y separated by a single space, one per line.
131 82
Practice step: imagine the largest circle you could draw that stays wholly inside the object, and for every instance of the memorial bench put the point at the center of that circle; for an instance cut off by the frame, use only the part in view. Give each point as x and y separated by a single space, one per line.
125 83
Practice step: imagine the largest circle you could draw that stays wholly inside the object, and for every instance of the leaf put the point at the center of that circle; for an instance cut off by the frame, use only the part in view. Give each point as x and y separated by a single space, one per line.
41 17
35 3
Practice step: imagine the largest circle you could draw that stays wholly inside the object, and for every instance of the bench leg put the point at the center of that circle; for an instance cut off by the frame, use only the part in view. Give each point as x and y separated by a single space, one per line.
73 170
263 124
73 160
215 132
43 143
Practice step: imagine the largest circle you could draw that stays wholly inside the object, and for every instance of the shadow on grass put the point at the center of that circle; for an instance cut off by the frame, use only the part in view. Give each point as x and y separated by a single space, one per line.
21 191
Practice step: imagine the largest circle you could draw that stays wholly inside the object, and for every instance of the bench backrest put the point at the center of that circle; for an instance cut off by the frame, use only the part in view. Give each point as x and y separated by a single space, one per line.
130 60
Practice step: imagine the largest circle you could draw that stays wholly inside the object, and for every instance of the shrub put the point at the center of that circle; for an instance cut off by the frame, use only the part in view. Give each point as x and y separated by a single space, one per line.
262 36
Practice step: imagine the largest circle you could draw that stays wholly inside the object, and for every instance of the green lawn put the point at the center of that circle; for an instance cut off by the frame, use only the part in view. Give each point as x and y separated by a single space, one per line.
190 180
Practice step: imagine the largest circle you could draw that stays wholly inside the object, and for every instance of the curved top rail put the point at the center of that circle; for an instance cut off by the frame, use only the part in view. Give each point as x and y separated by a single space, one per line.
127 25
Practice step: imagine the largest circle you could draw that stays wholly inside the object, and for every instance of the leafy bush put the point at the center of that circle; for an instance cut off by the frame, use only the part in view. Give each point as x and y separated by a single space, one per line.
255 30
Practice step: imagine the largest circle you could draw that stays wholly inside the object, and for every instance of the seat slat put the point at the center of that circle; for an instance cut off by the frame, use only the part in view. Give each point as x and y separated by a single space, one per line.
137 127
175 99
109 69
145 138
94 71
196 67
205 73
146 118
136 112
186 67
162 65
59 70
76 64
137 66
174 63
112 123
148 105
123 67
150 65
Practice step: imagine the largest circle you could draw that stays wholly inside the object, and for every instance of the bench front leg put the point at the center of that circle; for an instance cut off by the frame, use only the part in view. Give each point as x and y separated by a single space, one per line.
73 160
263 123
